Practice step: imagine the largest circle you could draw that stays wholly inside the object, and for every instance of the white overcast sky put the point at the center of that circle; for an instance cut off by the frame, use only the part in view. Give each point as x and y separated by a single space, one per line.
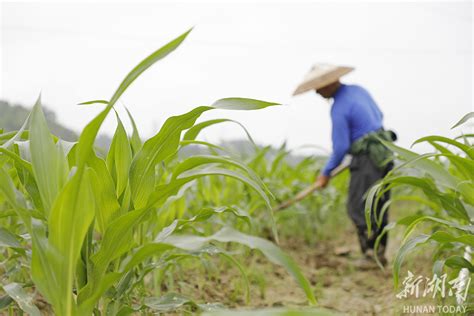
415 59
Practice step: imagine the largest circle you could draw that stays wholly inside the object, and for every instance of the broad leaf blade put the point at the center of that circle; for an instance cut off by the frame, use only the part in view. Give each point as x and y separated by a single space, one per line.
86 140
155 150
464 119
119 158
15 291
242 104
48 161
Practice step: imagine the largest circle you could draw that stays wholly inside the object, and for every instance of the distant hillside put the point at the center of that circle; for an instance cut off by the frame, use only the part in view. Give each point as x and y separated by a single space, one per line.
12 117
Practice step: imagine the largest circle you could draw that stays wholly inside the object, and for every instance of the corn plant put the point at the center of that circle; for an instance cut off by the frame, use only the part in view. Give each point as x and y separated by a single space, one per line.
316 217
285 174
87 229
443 183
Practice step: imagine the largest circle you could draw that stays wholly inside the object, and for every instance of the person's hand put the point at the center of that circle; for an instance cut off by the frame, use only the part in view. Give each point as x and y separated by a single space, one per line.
321 182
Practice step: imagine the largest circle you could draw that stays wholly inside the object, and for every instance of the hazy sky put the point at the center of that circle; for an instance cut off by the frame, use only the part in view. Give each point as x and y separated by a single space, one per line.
414 58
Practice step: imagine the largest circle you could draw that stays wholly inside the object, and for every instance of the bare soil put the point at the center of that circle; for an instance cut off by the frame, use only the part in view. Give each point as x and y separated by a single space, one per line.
329 266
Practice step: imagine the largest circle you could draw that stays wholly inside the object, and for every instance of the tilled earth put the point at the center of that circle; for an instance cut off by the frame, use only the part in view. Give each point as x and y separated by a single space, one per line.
329 266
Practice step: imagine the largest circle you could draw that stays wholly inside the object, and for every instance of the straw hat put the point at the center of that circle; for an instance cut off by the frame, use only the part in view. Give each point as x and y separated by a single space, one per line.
320 76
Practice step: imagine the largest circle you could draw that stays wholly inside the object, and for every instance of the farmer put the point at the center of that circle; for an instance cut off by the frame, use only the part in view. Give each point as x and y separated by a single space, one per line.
356 126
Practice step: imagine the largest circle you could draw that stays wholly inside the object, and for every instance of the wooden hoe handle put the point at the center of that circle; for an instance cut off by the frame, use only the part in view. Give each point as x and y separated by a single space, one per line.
309 190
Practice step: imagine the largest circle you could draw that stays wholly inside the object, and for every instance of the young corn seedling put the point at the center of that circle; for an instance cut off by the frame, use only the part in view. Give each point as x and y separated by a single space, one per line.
444 183
87 227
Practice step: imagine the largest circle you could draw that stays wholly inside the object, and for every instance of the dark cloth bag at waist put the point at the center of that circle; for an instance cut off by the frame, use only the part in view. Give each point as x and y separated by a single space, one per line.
371 145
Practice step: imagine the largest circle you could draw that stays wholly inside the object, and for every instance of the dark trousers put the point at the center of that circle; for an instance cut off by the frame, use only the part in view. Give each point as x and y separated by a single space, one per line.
364 174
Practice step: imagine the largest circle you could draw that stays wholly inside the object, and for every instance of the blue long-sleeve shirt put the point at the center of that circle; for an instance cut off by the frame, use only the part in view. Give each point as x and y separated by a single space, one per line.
354 114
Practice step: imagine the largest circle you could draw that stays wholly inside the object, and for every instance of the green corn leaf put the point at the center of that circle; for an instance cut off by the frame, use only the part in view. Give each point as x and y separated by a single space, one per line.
445 237
169 302
85 145
277 161
154 249
126 310
166 142
197 173
72 198
104 192
7 188
163 192
5 301
207 213
259 159
86 140
199 160
71 216
458 262
378 240
86 304
48 161
369 202
465 137
403 251
135 139
156 149
8 191
173 301
202 215
440 148
119 158
145 252
94 102
21 162
45 265
465 168
242 104
438 172
464 119
448 201
9 239
25 301
184 143
5 137
194 131
147 63
450 224
236 263
116 241
438 267
418 199
466 149
18 134
26 176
